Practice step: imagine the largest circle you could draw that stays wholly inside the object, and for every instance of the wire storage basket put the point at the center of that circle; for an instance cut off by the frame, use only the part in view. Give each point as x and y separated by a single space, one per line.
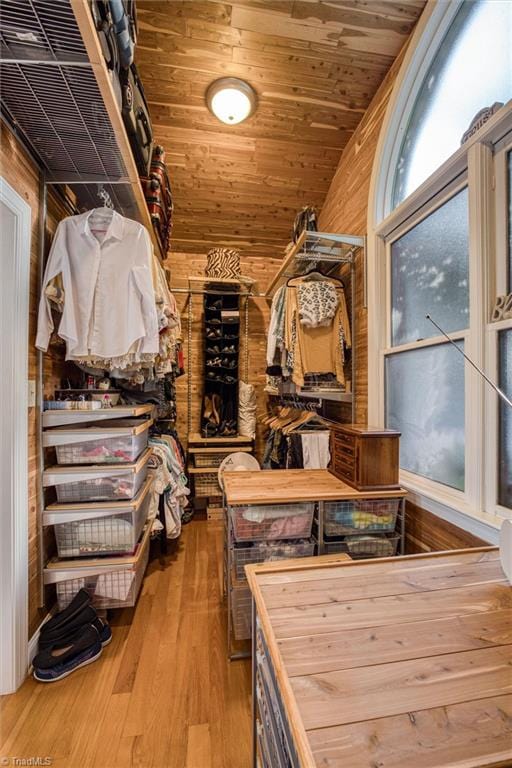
365 546
118 442
98 483
209 459
109 586
241 612
101 531
273 550
369 515
207 484
258 522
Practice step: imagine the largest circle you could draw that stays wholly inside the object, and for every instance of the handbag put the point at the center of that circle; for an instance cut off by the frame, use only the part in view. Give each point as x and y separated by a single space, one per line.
223 263
304 220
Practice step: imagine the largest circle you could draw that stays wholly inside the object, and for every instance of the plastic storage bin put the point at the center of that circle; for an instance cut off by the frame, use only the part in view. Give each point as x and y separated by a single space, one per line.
369 515
112 584
98 483
275 521
103 529
272 550
241 613
365 546
115 442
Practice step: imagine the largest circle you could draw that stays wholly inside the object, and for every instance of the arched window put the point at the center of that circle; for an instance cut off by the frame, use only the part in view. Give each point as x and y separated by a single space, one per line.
440 243
471 70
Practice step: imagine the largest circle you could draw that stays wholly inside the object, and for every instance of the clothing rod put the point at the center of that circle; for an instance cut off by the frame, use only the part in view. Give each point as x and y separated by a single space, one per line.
475 366
219 293
108 182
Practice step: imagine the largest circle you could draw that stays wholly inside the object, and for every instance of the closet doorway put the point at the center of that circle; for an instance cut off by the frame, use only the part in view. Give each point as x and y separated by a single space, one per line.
15 222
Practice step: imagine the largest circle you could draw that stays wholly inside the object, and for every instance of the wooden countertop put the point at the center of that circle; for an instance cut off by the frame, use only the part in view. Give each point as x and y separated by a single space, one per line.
279 486
397 663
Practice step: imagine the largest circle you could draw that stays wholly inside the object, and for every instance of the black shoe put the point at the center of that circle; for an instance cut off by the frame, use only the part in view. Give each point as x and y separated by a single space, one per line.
229 380
215 304
212 376
213 321
231 336
68 621
213 350
104 631
54 664
213 333
231 350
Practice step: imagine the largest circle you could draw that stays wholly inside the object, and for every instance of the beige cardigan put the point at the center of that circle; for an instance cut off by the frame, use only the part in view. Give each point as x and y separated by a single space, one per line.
316 350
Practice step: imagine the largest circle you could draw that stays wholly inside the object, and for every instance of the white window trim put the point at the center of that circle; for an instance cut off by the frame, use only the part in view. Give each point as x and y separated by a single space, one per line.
474 155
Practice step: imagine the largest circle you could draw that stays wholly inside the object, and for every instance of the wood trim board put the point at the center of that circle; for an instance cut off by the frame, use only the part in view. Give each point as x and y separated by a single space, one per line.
282 486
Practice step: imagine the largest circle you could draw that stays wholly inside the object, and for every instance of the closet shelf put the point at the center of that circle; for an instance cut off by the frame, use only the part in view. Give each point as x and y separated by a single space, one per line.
319 250
56 89
59 418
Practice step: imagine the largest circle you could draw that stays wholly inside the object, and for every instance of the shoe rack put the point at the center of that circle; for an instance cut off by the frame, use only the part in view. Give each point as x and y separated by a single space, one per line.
219 417
223 326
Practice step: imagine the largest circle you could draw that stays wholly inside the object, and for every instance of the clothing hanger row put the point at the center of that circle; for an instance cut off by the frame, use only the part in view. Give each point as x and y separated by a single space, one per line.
316 274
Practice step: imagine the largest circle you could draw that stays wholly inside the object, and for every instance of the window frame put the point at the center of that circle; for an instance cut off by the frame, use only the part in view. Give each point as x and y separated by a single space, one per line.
477 164
492 330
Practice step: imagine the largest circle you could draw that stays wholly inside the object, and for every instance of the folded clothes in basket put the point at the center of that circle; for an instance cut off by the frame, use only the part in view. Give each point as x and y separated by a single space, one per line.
257 514
95 535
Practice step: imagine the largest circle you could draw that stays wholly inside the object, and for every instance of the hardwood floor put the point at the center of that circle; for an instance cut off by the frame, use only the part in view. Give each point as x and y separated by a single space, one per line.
162 695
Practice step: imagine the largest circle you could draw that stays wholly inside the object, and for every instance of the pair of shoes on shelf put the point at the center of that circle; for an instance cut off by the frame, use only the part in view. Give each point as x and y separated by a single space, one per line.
215 304
228 429
71 639
211 410
213 333
231 336
214 321
221 379
218 362
229 350
215 350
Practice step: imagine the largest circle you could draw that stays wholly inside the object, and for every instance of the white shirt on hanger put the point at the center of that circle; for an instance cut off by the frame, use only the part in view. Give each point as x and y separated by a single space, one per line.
109 301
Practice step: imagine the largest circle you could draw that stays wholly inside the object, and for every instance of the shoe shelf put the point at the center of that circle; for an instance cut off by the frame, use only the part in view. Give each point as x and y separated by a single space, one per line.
57 92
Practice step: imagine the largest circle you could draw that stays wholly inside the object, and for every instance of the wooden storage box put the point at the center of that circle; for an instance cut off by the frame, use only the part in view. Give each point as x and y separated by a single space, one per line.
365 457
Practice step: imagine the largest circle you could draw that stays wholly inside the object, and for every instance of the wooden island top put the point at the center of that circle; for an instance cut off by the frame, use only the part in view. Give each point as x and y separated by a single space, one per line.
281 486
397 663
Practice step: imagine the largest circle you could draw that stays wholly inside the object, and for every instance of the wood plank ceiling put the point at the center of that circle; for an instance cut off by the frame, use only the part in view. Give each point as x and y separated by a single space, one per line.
315 66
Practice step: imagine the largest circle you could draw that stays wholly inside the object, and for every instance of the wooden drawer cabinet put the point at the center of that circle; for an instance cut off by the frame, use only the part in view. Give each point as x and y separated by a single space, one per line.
364 457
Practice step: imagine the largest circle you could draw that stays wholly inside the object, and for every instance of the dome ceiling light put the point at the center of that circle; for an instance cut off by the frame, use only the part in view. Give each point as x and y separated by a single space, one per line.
231 100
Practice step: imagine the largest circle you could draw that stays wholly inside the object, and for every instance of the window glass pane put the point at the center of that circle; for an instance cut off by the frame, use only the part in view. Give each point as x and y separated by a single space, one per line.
429 274
510 221
505 421
425 402
472 70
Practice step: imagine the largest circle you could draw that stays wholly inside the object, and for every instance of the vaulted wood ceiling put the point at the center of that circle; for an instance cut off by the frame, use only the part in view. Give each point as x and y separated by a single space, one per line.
315 66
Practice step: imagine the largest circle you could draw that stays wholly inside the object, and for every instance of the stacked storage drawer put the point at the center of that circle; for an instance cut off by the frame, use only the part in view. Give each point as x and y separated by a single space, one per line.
274 735
257 533
362 528
103 496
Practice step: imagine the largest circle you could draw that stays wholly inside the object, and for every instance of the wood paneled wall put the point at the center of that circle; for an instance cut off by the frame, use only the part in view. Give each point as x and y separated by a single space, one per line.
346 210
19 171
184 265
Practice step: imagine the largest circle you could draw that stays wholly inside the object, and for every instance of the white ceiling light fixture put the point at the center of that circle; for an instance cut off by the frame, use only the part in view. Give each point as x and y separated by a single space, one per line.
231 100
